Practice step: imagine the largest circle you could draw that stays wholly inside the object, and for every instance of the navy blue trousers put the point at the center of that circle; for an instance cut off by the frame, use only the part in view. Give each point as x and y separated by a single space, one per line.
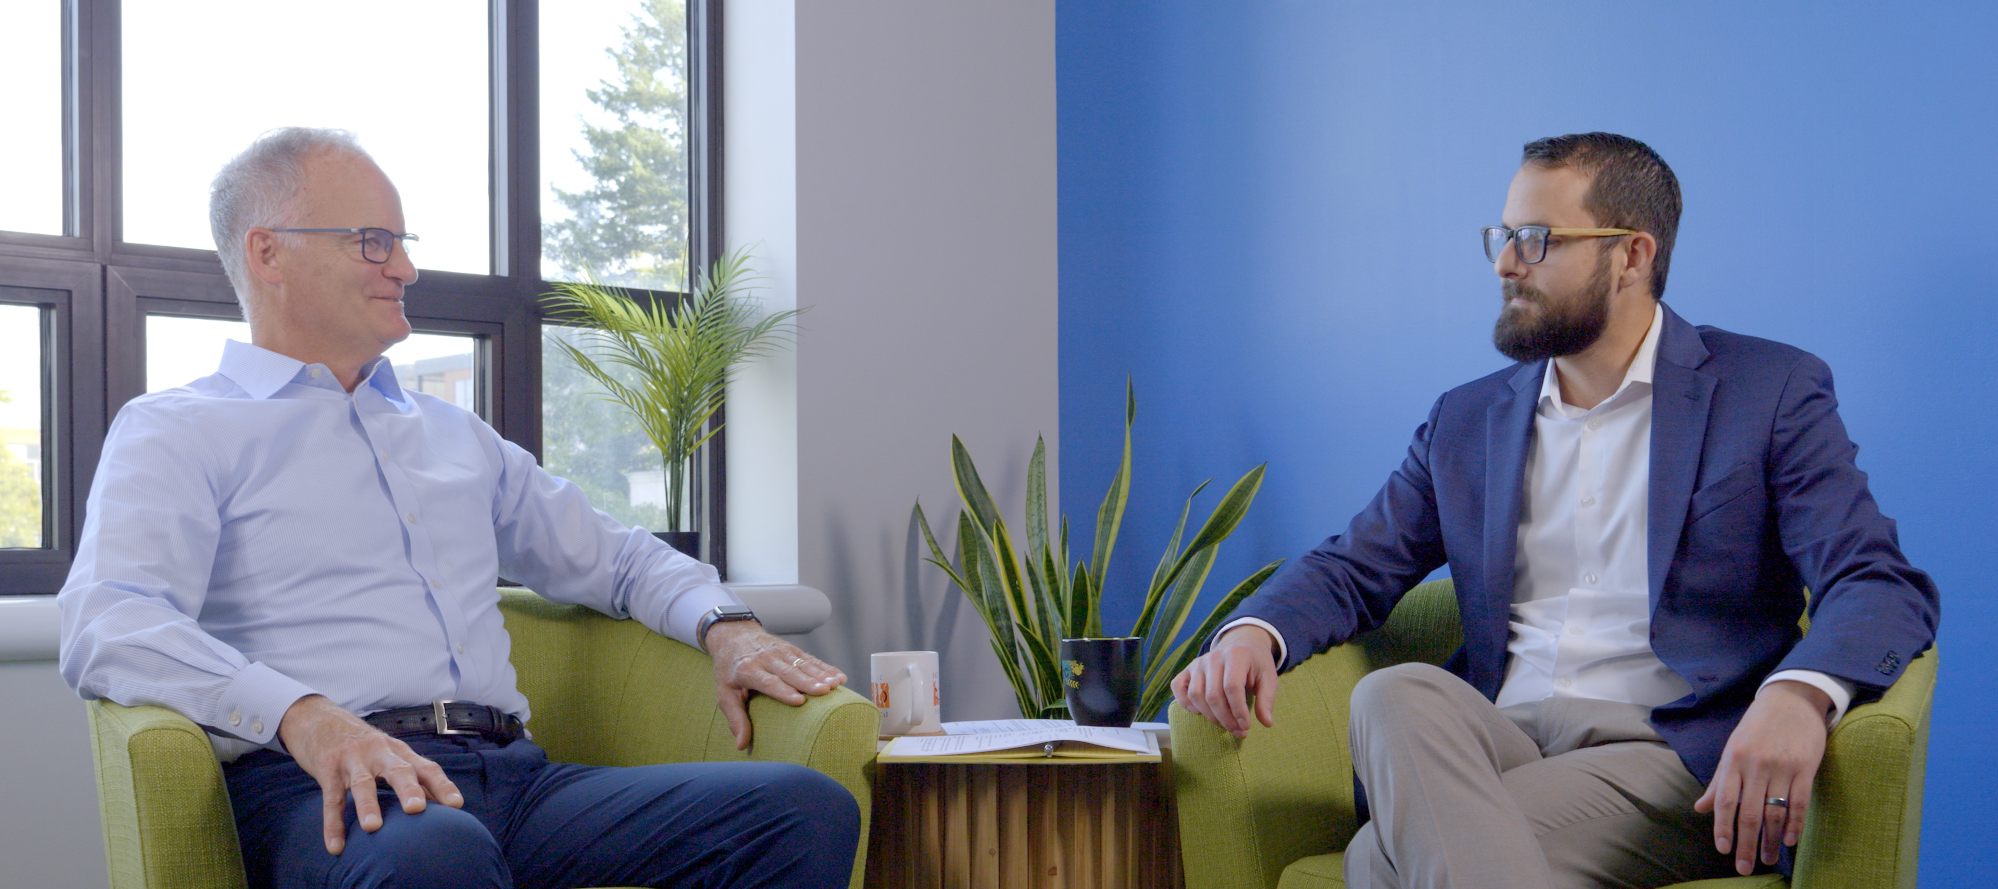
531 823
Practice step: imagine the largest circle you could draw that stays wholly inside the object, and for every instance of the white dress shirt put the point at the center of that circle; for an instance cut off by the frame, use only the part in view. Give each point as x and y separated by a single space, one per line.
261 534
1581 614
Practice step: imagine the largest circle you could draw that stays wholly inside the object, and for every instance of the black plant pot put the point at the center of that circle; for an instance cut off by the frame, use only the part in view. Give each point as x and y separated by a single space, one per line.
688 542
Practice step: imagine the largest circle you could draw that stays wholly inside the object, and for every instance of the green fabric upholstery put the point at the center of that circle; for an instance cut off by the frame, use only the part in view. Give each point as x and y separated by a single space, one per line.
604 692
1276 809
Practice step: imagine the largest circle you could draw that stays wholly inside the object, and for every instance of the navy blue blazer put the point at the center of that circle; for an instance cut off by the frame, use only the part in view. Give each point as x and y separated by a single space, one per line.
1754 498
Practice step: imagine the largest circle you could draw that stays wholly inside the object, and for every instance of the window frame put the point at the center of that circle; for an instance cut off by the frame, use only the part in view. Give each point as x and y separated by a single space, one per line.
109 286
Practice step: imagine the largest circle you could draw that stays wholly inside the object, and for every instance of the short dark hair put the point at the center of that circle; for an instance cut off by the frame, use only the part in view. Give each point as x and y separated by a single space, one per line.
1630 187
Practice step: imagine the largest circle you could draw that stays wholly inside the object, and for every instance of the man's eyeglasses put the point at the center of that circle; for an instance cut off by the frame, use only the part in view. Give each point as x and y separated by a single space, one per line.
1530 241
376 243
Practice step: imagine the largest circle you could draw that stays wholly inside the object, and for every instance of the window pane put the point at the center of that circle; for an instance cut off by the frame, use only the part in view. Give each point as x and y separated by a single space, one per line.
204 77
613 142
595 442
31 104
21 441
181 349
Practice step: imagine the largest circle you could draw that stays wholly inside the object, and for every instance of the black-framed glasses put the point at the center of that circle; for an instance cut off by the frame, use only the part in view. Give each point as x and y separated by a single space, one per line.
376 243
1530 241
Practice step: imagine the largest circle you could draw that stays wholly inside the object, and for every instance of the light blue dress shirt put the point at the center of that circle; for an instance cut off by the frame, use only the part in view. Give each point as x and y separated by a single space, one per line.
260 534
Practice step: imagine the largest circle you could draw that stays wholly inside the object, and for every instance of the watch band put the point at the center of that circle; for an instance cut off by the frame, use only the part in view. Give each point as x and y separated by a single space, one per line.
719 614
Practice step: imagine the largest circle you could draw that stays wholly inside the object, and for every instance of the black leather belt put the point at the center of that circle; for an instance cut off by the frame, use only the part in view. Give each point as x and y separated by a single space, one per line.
450 718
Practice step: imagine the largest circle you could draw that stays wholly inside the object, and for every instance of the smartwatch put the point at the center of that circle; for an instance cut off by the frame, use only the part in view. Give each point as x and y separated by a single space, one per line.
720 614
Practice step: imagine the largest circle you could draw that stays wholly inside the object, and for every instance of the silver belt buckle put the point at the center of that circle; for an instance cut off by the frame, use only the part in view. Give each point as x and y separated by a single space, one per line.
443 722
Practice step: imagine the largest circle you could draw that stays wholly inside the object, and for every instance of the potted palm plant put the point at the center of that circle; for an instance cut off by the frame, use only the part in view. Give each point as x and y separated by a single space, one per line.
677 358
1031 605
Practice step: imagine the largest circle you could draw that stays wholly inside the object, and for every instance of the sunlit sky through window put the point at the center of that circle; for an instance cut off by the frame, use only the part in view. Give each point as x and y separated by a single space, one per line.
31 106
21 366
204 77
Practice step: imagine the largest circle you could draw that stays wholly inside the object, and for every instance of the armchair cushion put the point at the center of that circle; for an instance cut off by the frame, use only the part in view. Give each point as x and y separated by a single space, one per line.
603 691
1276 809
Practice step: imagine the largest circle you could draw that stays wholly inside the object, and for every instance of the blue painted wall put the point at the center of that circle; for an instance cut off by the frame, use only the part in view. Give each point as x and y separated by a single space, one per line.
1268 221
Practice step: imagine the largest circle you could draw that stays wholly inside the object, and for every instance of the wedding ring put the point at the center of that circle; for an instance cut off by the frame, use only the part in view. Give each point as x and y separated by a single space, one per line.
797 662
1777 801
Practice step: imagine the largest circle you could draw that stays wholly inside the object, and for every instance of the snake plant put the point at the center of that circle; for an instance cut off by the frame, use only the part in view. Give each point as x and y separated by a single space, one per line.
1030 604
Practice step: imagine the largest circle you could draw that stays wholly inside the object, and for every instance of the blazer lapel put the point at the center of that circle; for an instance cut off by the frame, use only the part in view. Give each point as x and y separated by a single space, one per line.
1508 434
1681 398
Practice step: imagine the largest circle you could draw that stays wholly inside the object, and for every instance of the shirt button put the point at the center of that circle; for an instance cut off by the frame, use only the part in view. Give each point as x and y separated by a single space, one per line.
410 516
1589 579
315 373
1574 631
236 718
1588 501
257 728
1595 424
461 648
1564 682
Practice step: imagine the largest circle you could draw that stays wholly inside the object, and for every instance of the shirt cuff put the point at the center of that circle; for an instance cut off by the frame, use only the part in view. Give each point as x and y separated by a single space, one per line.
683 617
255 702
1282 652
1839 690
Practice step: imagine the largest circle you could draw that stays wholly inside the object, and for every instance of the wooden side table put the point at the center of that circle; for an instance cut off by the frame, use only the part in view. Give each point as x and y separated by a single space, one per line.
1010 826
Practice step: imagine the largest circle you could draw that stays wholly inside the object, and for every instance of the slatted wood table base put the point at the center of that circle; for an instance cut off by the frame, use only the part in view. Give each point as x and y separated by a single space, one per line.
940 826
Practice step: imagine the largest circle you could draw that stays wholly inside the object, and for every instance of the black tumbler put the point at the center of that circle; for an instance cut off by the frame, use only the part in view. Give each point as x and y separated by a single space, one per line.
1100 677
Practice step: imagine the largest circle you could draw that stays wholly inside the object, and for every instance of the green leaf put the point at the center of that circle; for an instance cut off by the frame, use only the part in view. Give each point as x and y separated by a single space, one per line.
970 488
1167 571
1110 516
1172 616
1234 505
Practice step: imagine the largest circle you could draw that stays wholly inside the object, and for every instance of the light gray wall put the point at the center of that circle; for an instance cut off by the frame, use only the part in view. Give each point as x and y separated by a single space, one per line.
50 837
923 184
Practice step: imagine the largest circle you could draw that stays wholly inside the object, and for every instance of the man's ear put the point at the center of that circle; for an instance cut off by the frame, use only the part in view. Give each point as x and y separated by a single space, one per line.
262 252
1640 250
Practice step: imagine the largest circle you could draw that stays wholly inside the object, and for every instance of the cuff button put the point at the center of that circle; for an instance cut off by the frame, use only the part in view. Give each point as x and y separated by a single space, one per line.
236 718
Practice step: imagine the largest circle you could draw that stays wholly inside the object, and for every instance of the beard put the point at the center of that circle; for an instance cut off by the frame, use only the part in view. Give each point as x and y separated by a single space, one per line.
1548 328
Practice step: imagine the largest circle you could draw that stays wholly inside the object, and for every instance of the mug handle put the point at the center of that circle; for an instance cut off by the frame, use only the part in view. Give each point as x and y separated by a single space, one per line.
907 705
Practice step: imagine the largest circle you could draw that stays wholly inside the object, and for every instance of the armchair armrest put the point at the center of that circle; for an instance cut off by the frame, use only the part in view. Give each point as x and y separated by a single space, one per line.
1865 823
1249 808
167 821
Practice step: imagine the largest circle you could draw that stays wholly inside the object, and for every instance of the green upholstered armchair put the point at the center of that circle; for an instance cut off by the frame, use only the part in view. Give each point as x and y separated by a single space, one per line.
1276 810
604 692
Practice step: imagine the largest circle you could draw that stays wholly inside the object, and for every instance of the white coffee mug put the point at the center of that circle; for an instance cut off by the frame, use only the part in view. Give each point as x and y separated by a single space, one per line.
905 688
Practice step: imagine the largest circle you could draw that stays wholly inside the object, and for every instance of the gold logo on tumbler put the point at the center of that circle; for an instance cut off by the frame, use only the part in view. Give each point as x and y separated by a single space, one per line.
881 695
1074 670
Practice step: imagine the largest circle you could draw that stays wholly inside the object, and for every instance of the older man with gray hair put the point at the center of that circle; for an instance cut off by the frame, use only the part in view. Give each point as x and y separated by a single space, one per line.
298 554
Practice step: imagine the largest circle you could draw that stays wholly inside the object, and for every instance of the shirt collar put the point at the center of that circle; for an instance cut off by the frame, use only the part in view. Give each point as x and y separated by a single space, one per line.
1642 366
262 373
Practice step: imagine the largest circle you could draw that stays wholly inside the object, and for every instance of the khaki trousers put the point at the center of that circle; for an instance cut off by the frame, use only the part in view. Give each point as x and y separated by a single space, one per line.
1566 792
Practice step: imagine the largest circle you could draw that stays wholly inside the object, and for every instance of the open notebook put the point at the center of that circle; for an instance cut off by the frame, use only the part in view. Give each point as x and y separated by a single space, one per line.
1027 741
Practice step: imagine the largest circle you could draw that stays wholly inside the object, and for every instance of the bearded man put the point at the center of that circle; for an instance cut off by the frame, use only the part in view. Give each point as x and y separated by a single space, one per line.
1632 515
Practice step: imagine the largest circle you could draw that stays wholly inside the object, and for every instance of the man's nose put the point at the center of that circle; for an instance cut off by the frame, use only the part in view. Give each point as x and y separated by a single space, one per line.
1508 265
399 268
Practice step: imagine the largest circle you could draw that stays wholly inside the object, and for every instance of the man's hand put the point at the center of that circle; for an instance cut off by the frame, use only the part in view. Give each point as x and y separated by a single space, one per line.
748 659
1218 684
346 755
1774 752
